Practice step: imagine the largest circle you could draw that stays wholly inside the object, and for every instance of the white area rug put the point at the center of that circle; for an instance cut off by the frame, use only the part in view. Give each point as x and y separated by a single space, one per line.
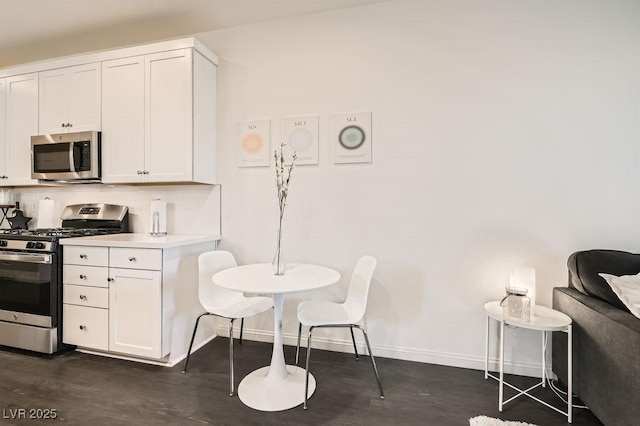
490 421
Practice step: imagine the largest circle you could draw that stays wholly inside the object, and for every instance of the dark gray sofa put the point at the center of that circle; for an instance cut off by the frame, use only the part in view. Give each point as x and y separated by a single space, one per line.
606 337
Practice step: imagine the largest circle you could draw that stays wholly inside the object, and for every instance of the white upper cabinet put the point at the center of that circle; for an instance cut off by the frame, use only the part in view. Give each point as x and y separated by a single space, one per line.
154 105
21 116
69 99
158 118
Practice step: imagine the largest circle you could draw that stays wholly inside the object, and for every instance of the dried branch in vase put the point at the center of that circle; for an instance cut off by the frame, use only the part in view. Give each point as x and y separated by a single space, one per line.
283 177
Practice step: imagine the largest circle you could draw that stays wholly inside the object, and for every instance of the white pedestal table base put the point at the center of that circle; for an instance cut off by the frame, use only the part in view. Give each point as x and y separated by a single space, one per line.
264 393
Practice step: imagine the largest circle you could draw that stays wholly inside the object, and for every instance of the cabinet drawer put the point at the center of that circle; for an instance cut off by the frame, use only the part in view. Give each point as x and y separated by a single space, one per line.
94 256
86 296
136 258
94 276
86 327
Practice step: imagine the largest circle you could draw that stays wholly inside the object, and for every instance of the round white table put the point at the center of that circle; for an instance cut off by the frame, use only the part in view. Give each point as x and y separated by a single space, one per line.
545 320
278 386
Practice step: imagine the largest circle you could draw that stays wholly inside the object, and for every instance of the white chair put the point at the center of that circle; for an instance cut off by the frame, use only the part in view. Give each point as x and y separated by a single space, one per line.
320 314
224 303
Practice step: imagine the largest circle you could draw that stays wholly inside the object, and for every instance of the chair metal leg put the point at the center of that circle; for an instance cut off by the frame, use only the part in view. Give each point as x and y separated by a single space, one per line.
231 357
298 345
366 339
306 381
353 339
241 328
193 336
373 361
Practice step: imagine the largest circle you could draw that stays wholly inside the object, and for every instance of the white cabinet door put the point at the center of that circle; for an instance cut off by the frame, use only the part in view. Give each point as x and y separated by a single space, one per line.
3 130
135 312
70 99
123 120
21 124
85 107
54 101
169 116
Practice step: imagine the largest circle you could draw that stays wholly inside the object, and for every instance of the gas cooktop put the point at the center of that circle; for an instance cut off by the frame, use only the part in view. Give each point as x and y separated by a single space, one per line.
43 240
59 232
78 220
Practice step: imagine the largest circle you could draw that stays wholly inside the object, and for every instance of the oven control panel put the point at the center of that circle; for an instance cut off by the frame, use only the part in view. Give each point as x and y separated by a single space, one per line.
23 245
90 210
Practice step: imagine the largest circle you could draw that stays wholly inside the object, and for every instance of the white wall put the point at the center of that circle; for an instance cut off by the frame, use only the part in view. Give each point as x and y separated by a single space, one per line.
505 133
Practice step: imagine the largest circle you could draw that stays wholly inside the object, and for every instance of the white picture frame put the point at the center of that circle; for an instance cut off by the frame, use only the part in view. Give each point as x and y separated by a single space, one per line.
300 135
254 143
351 137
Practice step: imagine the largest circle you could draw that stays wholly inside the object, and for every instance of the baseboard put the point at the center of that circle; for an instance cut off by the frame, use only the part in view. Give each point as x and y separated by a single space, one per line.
401 353
176 359
167 361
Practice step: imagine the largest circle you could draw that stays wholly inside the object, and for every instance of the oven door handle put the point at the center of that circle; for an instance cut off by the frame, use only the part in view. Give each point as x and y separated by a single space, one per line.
25 257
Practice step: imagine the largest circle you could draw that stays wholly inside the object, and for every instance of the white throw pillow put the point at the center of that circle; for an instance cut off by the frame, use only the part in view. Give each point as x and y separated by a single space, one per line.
627 288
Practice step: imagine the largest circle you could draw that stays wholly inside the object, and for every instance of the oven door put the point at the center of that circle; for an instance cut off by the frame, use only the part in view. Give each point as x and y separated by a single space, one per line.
28 289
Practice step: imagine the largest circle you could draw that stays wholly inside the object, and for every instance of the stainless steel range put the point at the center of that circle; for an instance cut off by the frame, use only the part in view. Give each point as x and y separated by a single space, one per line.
31 275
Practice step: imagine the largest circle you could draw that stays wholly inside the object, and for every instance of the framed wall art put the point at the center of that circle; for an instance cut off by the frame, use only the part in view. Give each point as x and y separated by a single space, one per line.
301 136
351 137
254 143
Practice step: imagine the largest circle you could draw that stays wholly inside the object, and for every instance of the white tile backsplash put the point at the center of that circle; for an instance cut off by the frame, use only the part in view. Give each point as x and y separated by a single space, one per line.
191 209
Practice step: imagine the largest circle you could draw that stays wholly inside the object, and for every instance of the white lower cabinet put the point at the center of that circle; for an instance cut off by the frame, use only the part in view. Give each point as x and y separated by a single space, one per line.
116 309
134 297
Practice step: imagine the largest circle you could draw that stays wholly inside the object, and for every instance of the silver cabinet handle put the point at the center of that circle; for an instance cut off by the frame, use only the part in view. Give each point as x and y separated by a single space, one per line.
83 327
132 259
139 172
83 256
109 279
82 277
83 297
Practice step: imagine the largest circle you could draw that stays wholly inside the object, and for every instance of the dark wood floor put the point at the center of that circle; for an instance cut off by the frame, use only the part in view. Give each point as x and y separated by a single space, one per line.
92 390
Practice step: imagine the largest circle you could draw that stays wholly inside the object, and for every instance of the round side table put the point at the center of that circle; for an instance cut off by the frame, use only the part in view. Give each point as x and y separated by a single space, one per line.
545 320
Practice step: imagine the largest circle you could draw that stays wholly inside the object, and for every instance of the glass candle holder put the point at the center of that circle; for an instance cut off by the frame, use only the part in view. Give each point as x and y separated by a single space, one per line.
516 305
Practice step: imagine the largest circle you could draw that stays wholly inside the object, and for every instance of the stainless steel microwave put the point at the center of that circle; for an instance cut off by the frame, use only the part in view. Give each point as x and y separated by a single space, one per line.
66 156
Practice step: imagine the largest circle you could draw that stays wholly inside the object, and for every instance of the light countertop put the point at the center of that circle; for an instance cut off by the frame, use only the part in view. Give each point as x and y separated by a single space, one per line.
139 240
